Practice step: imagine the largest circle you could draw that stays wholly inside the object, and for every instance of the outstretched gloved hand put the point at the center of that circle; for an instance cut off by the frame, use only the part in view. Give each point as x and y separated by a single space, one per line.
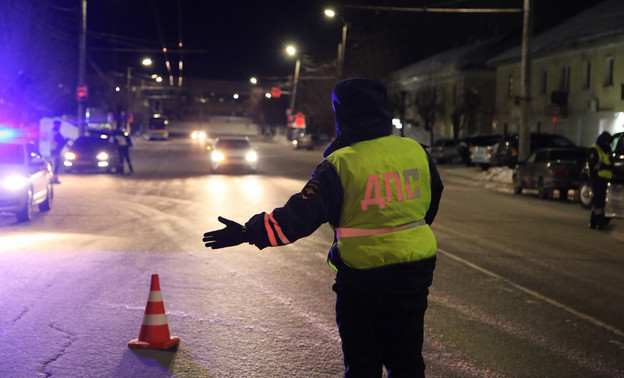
232 234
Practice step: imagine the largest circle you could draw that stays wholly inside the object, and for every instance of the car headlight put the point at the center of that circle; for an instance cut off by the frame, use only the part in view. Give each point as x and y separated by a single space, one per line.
14 182
70 156
102 156
217 156
251 156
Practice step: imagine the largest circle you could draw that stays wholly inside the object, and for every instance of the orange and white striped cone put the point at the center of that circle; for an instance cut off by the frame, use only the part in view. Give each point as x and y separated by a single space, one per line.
154 330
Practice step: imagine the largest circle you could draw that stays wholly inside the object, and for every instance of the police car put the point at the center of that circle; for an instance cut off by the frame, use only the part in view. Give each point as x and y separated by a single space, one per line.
25 177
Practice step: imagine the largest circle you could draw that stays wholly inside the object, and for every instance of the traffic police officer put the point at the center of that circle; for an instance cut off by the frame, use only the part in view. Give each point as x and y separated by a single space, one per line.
600 173
380 193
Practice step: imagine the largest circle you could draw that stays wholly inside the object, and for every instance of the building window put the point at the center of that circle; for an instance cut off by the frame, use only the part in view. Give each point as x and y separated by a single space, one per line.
564 78
510 86
544 82
608 78
586 79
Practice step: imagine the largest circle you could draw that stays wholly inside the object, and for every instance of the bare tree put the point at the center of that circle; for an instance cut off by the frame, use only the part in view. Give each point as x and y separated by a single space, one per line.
428 106
465 107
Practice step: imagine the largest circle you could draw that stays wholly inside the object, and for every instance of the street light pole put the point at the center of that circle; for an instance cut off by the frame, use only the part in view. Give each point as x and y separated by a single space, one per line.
81 67
290 50
343 48
128 97
294 86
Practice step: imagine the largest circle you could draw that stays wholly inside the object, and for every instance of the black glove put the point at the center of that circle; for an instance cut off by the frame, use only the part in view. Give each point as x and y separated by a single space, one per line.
232 234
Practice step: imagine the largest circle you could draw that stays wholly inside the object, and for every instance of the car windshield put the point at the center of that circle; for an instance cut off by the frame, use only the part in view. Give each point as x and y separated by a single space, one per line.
485 140
11 154
87 143
231 144
567 155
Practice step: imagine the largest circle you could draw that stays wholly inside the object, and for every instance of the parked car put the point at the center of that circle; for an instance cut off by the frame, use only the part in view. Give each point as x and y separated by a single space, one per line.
481 148
549 169
615 188
91 153
303 141
233 152
25 180
506 151
449 151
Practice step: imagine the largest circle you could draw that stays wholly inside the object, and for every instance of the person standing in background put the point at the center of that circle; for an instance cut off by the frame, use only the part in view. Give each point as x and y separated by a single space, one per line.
600 173
58 142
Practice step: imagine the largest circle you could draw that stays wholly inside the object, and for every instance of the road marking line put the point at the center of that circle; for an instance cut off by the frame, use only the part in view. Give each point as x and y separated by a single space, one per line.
536 294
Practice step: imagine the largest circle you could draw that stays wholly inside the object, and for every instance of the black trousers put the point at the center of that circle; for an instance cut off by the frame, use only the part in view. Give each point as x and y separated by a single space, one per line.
599 189
381 328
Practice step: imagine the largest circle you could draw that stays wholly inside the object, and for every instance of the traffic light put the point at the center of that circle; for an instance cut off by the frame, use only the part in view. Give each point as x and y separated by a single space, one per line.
82 93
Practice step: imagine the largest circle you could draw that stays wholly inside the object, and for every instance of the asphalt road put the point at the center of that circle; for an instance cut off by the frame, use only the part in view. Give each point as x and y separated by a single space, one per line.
522 287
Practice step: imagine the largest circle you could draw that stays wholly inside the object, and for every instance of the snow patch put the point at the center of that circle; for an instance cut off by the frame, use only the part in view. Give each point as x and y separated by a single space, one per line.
496 174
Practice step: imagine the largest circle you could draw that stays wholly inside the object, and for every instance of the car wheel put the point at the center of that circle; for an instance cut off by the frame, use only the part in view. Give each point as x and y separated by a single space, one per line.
585 194
542 192
517 185
47 204
25 214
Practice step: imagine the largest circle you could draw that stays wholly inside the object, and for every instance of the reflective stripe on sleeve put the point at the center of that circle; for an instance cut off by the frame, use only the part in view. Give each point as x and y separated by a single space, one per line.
269 230
344 232
279 231
272 228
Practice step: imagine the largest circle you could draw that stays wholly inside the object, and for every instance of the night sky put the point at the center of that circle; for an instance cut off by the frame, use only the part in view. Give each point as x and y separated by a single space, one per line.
237 39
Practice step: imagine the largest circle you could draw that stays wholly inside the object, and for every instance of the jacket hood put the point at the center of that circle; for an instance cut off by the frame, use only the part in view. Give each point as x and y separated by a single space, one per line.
361 112
604 141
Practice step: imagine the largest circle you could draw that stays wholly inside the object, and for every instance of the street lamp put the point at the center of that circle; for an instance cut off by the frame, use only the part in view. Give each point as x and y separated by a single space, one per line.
290 50
342 47
145 62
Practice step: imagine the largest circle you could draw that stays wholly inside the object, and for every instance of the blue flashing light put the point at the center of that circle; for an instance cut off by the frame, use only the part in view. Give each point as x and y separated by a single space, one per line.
7 135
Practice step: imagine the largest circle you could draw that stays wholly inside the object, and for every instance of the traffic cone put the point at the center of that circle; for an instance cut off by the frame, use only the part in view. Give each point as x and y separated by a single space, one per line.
154 330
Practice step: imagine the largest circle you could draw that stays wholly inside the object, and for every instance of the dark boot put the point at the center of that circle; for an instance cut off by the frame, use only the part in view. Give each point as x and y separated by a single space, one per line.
592 220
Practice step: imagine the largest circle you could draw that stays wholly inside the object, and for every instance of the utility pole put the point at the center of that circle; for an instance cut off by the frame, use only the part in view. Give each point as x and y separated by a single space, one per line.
81 67
295 83
524 135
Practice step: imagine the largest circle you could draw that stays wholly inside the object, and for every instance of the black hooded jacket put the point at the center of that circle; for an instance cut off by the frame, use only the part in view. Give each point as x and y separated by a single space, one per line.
361 111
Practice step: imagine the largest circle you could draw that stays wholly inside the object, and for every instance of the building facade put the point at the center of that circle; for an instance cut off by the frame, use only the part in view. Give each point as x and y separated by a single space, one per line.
463 85
577 78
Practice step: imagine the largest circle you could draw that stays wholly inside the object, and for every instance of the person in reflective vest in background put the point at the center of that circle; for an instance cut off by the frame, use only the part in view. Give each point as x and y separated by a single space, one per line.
380 193
600 173
123 142
57 144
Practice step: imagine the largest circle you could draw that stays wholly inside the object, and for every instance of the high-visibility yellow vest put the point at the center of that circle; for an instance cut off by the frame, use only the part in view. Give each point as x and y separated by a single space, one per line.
387 192
605 170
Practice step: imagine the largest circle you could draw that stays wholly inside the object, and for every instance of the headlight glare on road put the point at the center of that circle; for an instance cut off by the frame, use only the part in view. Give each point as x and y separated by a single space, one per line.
251 156
14 182
217 156
102 156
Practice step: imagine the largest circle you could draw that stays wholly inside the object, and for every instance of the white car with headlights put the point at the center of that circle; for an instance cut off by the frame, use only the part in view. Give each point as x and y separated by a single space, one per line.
25 180
233 152
199 135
